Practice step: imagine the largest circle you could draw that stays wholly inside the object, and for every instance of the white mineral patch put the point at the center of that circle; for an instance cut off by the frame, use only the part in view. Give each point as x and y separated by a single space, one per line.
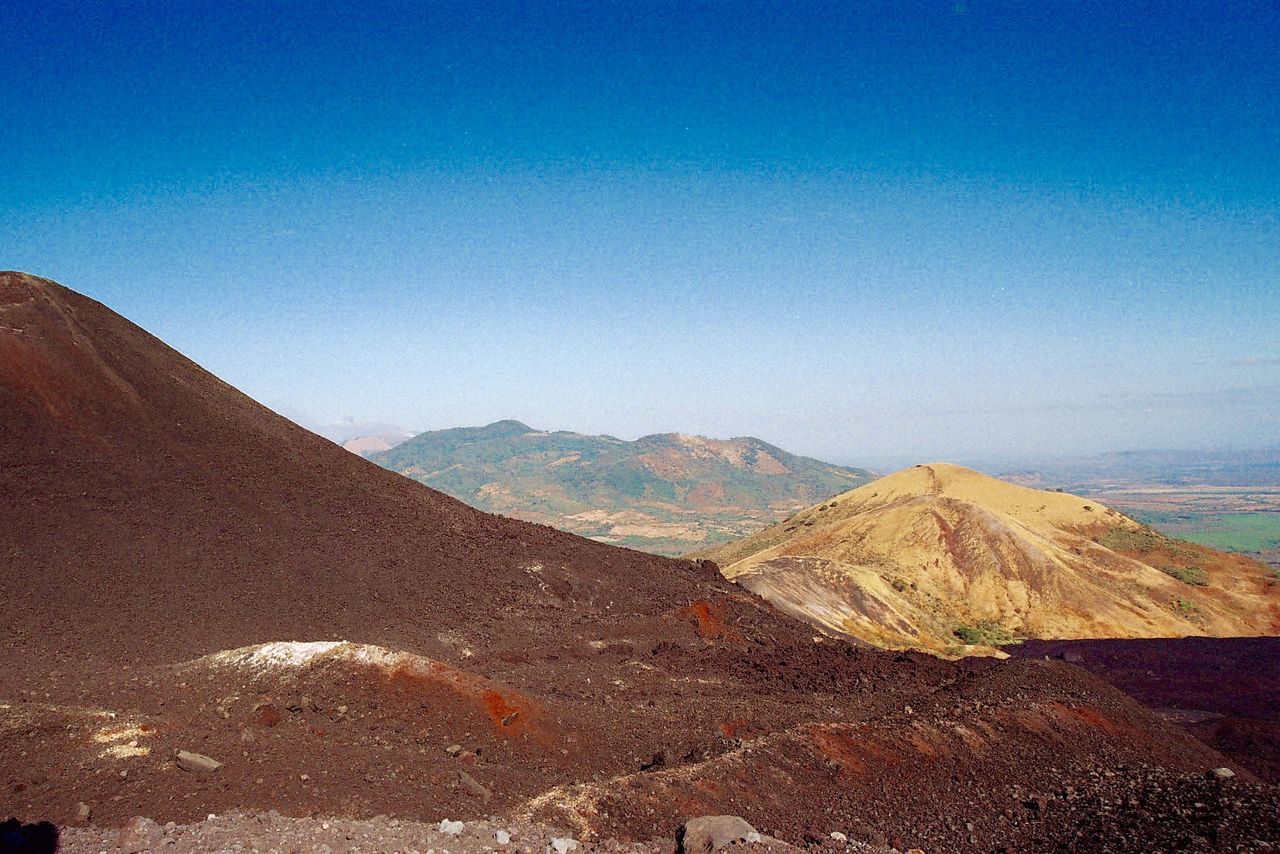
288 653
121 742
281 655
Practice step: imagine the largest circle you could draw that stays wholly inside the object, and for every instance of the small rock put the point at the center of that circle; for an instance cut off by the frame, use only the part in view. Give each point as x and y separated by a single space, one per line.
140 834
709 832
839 837
304 777
502 837
197 763
1221 774
83 811
453 749
563 844
453 828
472 786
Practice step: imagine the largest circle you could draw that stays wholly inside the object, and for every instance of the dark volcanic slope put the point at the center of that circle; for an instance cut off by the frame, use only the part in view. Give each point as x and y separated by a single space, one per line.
154 521
154 513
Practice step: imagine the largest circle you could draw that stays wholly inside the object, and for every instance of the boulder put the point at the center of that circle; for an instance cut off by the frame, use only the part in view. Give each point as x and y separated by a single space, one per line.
709 832
563 844
196 763
140 834
1221 774
472 786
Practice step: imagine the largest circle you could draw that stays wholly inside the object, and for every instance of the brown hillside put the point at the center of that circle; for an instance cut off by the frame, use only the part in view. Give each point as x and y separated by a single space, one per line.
183 570
909 559
145 495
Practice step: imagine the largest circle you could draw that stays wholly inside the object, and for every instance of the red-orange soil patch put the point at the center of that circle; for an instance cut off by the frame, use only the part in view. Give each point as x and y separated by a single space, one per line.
709 620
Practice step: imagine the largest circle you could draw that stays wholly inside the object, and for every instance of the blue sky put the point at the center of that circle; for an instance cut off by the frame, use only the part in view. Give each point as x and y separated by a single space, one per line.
872 232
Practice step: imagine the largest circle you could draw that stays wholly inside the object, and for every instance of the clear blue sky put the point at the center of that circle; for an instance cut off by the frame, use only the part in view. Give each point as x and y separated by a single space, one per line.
865 231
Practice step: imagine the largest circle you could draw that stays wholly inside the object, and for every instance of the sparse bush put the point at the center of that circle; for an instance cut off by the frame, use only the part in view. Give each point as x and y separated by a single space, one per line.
1123 540
1141 542
984 634
1186 574
1186 607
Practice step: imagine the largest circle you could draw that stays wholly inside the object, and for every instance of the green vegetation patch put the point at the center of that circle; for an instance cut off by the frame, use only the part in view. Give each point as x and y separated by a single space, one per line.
985 634
1183 606
1146 540
1186 574
1235 532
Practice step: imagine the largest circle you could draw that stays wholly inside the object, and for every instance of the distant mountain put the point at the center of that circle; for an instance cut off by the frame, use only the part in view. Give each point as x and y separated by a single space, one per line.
367 446
666 493
938 557
364 438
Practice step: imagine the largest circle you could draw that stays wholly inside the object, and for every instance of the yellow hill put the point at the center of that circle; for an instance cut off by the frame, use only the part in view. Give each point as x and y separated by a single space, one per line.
938 554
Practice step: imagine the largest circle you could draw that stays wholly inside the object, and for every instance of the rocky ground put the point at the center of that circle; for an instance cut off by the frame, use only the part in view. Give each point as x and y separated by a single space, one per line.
1112 811
273 832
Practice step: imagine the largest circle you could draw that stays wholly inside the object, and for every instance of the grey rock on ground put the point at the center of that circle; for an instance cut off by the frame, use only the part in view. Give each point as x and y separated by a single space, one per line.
707 833
140 834
563 844
197 763
472 786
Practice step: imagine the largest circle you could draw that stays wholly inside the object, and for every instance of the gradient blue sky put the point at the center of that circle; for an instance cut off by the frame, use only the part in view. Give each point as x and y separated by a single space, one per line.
872 232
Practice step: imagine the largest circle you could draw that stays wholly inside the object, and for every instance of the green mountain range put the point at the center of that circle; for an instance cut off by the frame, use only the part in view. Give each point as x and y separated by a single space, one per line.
668 493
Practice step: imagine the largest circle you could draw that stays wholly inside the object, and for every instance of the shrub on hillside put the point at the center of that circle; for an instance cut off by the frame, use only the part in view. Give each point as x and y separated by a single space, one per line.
1186 574
984 634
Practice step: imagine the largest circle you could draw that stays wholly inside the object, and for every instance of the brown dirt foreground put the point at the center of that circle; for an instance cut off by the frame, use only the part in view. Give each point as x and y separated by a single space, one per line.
182 570
273 832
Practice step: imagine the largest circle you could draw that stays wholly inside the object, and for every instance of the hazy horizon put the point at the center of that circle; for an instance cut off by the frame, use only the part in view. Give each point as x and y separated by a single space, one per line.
351 428
875 233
